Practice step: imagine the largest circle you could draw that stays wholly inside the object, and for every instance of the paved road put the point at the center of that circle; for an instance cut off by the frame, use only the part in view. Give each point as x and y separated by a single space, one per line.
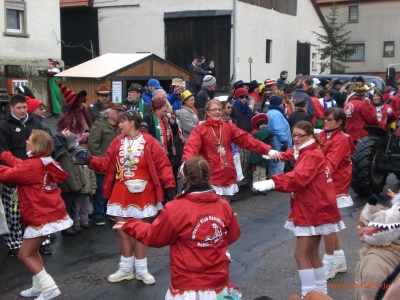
263 263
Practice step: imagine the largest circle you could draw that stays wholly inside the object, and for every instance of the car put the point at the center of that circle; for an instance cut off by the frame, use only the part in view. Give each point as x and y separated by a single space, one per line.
378 81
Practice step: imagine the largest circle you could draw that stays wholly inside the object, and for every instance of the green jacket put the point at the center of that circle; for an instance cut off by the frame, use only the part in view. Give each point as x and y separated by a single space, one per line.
266 136
101 134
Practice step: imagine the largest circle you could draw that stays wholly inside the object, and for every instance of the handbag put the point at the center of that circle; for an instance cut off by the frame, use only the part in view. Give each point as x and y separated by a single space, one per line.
136 185
3 222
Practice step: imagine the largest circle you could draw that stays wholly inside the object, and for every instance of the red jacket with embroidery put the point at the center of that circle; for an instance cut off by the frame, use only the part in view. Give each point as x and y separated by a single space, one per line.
337 150
39 197
198 227
157 161
359 113
314 199
203 142
388 116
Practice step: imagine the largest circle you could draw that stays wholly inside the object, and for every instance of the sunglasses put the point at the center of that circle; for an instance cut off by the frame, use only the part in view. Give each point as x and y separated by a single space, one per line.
228 107
329 119
243 97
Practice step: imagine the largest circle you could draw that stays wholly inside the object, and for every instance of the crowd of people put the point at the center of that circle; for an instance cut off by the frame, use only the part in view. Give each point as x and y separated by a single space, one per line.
126 159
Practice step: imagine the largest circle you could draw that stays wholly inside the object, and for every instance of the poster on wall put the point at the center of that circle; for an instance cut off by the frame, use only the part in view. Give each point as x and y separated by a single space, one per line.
117 91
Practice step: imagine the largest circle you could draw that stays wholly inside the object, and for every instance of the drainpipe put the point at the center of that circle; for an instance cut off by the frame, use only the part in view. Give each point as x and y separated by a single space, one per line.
233 77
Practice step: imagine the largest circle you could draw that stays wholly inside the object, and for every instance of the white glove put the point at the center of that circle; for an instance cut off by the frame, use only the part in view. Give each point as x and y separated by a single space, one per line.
274 154
264 185
266 157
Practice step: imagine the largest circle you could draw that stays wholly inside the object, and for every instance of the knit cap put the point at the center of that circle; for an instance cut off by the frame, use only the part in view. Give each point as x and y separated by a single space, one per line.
209 80
71 141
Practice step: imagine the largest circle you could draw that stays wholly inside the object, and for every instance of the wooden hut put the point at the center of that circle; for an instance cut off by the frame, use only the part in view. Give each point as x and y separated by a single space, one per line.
118 71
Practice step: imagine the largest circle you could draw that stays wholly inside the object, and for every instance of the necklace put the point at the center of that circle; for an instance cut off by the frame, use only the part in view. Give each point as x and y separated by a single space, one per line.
220 148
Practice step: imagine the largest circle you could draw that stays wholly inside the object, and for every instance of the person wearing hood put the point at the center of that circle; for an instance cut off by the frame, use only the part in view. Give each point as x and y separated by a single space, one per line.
15 128
198 226
42 208
278 124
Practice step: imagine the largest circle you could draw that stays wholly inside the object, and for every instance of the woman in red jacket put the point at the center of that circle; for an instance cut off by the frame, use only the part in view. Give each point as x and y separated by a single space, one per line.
136 171
338 146
198 226
313 205
42 208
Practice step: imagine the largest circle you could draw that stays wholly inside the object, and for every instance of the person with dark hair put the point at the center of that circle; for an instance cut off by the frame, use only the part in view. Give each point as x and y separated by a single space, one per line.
319 115
136 170
198 227
339 93
15 129
53 93
24 90
300 93
103 93
76 118
313 204
326 100
283 79
42 208
300 113
338 147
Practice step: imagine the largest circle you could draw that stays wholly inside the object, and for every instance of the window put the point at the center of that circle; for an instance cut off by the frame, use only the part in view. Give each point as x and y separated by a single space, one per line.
268 52
15 17
359 54
353 13
388 48
314 61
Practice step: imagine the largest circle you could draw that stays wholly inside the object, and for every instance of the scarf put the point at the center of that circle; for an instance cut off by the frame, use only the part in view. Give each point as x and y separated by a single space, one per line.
278 108
243 108
163 131
212 123
191 108
297 150
333 104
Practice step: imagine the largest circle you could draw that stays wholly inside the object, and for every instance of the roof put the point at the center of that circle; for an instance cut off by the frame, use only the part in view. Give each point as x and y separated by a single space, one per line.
75 3
103 65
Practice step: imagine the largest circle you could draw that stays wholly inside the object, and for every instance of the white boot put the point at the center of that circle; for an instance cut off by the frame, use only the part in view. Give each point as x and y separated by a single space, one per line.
142 273
125 271
339 265
328 264
34 291
47 286
307 279
320 281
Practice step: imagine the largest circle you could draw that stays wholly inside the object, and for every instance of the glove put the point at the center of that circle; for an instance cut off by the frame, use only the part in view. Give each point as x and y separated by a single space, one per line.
274 154
266 157
83 159
283 147
170 193
264 185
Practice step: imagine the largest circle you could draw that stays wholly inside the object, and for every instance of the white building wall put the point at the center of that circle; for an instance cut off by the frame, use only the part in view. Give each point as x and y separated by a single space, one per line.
378 22
139 27
43 28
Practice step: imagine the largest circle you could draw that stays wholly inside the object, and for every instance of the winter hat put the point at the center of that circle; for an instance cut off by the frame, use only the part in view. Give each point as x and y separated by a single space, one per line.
33 104
361 90
103 89
300 103
377 91
324 82
275 100
337 81
269 82
135 87
259 118
185 95
53 61
209 80
240 92
69 95
71 141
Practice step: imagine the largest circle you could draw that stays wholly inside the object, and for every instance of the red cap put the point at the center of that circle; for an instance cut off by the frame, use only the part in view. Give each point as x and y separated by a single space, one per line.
257 118
33 104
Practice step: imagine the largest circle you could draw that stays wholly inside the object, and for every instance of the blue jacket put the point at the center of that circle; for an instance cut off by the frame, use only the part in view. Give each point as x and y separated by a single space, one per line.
278 124
175 101
301 94
147 97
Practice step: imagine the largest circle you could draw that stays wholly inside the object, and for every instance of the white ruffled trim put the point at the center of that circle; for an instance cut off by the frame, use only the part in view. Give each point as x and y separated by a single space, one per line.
133 212
323 229
226 190
344 201
32 232
196 295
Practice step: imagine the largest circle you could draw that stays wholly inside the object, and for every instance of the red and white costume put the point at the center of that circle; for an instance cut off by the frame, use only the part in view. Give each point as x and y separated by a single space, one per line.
385 115
337 150
203 141
313 201
128 159
39 198
359 113
198 227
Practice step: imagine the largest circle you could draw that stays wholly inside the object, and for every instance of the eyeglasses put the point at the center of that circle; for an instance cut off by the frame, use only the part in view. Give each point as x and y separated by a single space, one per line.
228 107
215 109
329 119
300 136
